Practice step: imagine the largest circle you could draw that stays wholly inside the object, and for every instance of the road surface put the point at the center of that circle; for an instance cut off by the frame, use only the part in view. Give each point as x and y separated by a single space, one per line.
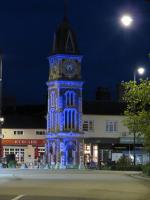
72 185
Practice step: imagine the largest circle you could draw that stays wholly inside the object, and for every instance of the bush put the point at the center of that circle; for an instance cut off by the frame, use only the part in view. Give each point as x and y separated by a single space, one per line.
125 164
146 169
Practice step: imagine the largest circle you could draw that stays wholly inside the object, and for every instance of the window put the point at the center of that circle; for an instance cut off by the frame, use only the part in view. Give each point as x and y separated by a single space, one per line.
40 132
52 119
85 126
53 99
111 126
70 119
95 153
19 153
87 149
69 43
88 125
70 98
41 151
18 132
91 125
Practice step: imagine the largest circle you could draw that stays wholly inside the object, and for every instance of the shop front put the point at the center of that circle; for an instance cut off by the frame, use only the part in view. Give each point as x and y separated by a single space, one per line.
25 150
98 151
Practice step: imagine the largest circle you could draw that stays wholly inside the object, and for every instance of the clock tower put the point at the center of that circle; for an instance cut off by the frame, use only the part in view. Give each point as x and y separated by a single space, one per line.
64 146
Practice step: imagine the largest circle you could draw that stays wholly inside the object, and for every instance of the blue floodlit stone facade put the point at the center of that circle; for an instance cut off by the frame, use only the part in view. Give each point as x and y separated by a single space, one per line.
64 146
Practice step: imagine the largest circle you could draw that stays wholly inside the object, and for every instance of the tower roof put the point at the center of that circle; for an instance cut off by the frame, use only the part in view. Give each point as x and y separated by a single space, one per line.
65 39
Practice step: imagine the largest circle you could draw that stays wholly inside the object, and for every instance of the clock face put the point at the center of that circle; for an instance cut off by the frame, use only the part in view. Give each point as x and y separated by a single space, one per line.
69 68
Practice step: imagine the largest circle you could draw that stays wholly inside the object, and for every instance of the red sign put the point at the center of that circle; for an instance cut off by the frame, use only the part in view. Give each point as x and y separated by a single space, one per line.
23 142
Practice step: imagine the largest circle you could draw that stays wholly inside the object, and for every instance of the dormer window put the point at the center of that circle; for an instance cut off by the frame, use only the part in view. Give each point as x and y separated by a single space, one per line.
69 43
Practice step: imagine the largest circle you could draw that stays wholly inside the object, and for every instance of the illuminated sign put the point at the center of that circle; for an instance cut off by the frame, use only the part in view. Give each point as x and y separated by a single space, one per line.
23 142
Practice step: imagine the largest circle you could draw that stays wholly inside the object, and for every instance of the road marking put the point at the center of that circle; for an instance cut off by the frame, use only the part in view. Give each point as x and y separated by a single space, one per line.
18 197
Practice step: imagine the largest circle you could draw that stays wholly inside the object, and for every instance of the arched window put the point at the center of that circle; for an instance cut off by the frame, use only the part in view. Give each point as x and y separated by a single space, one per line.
70 119
66 113
52 119
70 98
53 99
73 119
69 43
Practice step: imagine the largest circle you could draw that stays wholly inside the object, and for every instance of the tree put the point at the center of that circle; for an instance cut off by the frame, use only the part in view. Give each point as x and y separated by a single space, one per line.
137 112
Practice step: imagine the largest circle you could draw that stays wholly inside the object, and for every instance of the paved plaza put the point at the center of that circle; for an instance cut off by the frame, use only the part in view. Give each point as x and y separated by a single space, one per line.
72 185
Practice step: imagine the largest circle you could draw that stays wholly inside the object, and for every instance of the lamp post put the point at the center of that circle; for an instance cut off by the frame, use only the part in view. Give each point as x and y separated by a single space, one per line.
140 71
1 146
1 118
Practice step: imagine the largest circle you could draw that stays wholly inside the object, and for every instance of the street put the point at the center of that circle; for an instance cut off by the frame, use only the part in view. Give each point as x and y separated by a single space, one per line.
72 185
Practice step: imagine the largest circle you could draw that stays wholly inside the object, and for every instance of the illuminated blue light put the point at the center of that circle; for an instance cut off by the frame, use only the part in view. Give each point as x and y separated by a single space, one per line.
64 141
64 134
64 84
64 56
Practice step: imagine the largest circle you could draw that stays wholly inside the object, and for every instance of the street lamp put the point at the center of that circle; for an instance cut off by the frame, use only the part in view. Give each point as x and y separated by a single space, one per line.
1 118
1 136
140 71
126 20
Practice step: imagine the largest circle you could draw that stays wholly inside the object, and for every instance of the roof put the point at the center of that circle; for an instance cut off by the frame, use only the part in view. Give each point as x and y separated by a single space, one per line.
103 108
24 121
27 116
65 39
35 116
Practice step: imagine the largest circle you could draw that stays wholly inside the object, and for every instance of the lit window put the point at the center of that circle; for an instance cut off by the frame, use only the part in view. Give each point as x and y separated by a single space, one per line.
18 152
95 153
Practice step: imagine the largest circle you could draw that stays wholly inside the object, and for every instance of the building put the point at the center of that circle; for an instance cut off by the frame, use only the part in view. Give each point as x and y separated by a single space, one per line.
23 133
103 94
105 136
64 115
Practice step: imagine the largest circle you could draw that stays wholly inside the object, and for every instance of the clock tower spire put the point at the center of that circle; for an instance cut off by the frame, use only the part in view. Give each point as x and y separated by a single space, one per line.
64 115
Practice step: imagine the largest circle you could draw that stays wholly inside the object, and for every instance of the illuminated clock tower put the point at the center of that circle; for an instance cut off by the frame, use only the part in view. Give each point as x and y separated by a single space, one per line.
64 116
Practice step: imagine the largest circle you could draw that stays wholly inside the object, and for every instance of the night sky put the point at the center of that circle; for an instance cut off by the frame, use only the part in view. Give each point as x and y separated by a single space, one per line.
111 52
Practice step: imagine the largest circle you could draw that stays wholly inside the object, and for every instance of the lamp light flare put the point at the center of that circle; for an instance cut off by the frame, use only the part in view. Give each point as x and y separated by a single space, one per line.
141 70
126 20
